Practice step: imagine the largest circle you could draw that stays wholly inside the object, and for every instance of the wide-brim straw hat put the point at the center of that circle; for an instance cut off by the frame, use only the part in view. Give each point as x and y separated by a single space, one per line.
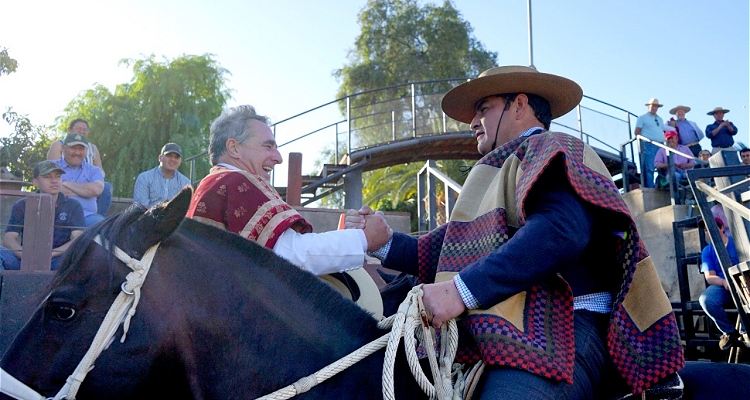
654 101
684 108
717 109
561 93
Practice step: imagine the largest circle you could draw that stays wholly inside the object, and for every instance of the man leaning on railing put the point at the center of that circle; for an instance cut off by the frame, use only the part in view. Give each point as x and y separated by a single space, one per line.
68 218
681 162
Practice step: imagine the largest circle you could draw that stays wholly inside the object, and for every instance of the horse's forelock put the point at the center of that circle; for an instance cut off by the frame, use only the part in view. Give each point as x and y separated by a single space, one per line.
111 230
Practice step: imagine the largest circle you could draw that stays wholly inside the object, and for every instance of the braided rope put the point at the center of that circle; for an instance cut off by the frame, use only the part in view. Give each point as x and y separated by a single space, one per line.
403 324
123 308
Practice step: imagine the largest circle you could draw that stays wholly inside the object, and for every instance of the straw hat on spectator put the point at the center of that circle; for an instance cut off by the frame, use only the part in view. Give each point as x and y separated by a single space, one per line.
683 108
718 109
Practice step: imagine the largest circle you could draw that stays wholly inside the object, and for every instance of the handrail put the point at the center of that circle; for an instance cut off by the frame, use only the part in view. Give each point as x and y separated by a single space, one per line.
414 111
426 186
701 192
670 151
191 160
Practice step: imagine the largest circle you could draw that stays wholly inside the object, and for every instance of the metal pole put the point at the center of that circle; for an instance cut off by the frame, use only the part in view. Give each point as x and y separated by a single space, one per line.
336 160
531 42
580 124
393 125
413 112
349 129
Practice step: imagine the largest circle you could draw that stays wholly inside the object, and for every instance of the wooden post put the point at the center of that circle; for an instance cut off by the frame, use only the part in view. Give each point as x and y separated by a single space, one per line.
294 180
38 226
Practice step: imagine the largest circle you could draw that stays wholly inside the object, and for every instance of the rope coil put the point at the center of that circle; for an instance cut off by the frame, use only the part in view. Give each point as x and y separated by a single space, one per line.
410 315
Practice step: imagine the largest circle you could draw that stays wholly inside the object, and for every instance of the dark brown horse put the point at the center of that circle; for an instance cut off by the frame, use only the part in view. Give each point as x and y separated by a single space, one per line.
219 317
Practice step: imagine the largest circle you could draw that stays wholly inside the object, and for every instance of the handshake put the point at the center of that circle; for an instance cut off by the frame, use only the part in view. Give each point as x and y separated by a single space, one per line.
376 229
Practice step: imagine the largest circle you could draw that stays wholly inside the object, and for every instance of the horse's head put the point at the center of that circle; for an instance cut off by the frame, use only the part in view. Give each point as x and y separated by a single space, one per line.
61 330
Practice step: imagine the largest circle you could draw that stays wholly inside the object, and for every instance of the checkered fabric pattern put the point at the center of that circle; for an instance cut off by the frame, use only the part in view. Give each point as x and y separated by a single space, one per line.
545 344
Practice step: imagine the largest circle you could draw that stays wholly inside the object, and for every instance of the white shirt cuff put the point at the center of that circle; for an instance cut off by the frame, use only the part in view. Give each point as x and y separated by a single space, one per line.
470 301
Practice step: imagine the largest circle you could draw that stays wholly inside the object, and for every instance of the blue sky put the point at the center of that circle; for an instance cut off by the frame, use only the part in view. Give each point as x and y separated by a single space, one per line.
281 55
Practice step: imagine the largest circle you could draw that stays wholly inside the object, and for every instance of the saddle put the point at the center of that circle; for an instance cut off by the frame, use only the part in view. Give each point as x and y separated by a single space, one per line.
358 286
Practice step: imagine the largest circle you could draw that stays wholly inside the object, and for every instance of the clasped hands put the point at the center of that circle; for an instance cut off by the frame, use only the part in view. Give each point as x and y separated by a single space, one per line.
441 300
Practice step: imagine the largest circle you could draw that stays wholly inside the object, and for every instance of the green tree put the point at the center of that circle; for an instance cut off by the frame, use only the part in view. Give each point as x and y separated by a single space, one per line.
402 41
26 145
7 64
167 101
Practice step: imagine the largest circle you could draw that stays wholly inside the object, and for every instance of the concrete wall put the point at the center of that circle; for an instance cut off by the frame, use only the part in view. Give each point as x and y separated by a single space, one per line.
653 214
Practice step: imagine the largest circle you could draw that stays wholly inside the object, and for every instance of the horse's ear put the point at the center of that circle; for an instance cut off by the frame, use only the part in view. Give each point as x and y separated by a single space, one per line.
159 221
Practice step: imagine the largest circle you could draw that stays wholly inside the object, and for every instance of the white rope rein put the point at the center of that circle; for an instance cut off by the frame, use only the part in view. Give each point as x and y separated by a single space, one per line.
403 324
410 316
123 308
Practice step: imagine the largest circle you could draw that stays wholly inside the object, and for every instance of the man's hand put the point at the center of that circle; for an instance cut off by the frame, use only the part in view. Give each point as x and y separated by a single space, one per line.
377 231
355 219
442 302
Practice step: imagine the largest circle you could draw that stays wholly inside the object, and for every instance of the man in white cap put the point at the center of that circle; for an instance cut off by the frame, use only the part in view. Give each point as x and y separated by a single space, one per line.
82 181
651 126
162 182
541 260
689 133
721 131
93 157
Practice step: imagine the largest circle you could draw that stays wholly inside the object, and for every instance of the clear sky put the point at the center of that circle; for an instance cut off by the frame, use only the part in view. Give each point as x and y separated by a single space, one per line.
281 55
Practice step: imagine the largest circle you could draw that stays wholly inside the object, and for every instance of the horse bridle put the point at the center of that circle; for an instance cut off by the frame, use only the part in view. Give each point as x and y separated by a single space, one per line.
121 311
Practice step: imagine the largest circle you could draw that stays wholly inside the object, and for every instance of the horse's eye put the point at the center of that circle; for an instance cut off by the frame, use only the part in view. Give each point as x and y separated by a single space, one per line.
63 312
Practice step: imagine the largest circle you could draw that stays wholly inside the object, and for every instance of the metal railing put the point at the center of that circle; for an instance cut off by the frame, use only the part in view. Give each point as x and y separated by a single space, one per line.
412 110
629 145
428 207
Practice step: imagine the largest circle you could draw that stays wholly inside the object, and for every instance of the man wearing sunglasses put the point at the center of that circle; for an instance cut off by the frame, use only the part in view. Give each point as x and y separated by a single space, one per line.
651 126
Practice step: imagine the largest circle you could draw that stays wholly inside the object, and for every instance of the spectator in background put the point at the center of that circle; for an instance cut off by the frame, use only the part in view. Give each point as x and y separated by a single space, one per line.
68 218
703 157
81 126
651 126
681 163
690 134
717 295
163 182
745 156
721 131
82 181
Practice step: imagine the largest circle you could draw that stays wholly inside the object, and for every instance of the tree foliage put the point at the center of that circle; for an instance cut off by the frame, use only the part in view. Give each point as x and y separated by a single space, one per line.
26 145
7 64
402 41
167 101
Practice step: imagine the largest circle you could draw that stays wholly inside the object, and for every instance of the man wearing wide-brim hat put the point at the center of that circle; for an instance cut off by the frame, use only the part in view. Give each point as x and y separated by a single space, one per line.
650 126
539 258
721 131
689 133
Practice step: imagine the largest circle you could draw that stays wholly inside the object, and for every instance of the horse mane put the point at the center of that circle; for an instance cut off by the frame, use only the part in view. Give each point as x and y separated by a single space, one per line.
111 230
318 294
308 286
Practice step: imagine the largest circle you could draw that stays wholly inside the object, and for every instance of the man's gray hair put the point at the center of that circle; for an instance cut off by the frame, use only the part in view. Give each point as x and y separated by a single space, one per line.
231 125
